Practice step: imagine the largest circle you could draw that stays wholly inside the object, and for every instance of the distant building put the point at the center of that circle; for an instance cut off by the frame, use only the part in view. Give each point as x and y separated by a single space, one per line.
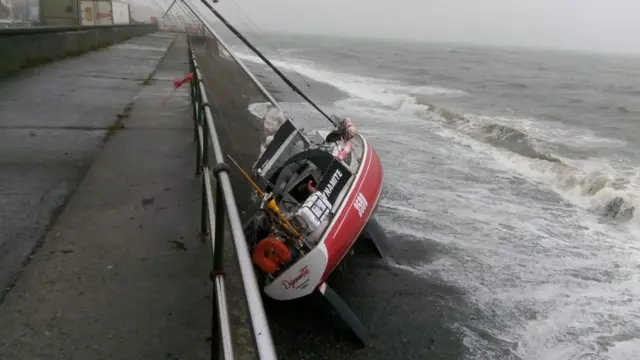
142 13
59 12
6 9
26 10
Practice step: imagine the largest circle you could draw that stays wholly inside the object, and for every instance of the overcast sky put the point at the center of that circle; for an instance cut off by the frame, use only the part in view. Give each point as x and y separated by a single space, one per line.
601 25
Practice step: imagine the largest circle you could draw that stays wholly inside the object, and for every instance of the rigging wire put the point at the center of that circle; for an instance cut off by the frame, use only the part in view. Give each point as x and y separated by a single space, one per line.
173 16
158 8
169 8
178 16
211 95
185 14
273 67
181 13
269 43
193 19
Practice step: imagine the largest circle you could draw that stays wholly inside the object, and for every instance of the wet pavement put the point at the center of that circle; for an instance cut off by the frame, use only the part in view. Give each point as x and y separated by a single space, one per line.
123 274
53 120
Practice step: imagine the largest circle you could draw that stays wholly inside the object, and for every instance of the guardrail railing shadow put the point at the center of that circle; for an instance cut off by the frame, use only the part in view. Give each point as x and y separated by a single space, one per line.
216 210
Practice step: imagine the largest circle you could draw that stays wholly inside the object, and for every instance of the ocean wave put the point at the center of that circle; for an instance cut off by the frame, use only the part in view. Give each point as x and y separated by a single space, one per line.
617 108
386 92
483 128
603 192
409 99
497 134
623 90
514 85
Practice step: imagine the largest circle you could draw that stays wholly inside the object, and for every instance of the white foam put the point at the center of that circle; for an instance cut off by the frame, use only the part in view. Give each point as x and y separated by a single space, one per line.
553 281
224 53
259 109
624 350
594 190
384 92
552 132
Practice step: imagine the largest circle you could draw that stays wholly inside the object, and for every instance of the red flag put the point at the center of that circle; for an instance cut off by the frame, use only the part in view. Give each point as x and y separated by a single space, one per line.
178 83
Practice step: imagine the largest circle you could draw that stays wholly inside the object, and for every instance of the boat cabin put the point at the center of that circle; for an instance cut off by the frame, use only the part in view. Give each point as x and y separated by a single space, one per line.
308 182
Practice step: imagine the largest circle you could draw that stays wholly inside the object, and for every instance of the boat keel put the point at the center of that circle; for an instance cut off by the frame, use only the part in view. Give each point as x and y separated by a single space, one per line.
345 312
374 233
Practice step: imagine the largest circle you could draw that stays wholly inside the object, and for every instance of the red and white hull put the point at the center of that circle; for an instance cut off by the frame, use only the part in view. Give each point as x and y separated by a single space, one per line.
359 202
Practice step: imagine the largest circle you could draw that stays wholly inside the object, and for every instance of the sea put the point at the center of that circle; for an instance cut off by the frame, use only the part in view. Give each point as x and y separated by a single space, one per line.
513 174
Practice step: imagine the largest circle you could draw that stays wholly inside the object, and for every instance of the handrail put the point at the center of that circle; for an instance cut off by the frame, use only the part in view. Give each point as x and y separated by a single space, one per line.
264 91
214 210
63 28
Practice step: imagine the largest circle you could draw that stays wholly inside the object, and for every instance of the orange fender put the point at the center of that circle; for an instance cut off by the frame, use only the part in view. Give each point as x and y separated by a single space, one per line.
270 254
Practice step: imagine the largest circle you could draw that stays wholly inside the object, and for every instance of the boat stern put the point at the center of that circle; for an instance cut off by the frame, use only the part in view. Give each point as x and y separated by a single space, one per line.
302 278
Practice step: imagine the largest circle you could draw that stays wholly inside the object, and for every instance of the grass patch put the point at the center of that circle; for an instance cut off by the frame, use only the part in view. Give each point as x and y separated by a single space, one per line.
120 119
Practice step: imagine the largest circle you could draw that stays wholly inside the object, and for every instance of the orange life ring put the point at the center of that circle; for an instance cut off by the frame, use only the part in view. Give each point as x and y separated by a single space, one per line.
270 254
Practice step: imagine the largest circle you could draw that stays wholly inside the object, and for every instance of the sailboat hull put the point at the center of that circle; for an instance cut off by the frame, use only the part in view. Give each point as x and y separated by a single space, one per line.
358 206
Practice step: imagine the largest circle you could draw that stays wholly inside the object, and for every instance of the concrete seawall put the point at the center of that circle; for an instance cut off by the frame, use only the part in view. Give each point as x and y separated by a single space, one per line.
23 48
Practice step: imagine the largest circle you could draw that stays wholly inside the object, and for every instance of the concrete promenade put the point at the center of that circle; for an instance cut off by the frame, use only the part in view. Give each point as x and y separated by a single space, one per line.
53 119
122 273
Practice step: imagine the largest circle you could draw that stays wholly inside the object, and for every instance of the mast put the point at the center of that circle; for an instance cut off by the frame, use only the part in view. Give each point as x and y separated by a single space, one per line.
273 67
169 8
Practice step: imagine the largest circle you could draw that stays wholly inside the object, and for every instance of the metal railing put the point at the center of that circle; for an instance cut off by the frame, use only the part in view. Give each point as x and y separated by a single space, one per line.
216 210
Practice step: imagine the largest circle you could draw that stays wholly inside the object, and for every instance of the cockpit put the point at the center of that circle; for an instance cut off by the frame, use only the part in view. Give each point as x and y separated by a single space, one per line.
294 183
304 176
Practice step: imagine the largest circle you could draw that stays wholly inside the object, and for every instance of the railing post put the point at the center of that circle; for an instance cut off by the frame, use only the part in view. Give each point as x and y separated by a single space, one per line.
218 258
193 94
204 212
201 144
205 137
216 345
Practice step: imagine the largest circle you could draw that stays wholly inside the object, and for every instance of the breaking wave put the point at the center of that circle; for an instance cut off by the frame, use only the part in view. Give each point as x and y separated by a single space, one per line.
378 90
604 192
494 133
